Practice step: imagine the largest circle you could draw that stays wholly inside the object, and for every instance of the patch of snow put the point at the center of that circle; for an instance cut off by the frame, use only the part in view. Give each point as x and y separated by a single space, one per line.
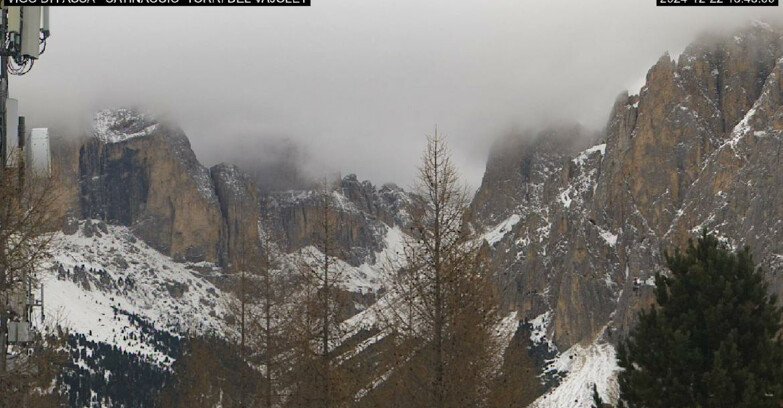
370 276
608 280
543 231
90 313
523 241
742 128
762 25
611 239
504 333
582 157
367 277
565 198
506 328
539 326
496 234
340 200
594 364
119 125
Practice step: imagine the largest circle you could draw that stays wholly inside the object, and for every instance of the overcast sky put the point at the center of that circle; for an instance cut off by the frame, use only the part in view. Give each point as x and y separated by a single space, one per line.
359 83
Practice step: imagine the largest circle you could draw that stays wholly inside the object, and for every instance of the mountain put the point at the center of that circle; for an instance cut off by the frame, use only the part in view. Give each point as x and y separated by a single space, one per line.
578 237
149 237
137 172
576 222
361 212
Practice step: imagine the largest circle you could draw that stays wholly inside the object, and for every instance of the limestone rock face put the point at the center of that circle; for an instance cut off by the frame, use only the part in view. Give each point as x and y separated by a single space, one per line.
577 240
360 212
65 169
527 160
139 172
143 174
239 206
387 204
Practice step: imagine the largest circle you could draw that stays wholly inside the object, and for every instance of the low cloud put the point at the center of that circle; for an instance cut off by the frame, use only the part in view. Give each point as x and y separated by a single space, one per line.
357 84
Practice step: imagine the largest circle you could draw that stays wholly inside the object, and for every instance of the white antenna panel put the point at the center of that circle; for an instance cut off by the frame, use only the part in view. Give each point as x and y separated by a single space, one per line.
39 151
14 19
31 29
45 23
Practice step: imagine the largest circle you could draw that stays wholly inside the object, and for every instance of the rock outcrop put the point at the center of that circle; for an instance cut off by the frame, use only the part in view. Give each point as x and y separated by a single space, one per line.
239 206
360 212
581 235
65 169
527 160
578 221
140 173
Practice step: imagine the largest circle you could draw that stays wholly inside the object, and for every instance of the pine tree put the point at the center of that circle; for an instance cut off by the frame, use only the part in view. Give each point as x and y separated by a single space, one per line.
713 340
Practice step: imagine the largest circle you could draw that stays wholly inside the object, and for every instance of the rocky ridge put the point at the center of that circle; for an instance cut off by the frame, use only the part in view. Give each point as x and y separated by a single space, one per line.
698 148
138 171
577 223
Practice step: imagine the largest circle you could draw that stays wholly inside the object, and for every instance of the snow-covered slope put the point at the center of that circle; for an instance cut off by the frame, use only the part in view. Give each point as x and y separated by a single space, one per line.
101 276
367 277
582 367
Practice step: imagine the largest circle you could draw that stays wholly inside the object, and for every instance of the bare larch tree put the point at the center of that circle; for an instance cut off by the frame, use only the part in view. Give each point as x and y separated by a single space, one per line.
445 296
321 381
27 225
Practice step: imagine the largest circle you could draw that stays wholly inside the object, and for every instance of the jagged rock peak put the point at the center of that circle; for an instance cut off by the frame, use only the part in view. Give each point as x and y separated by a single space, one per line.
121 124
520 163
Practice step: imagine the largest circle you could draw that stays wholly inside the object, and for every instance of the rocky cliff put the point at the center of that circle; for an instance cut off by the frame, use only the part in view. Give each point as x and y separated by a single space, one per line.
578 235
141 173
239 206
361 213
577 221
137 171
518 168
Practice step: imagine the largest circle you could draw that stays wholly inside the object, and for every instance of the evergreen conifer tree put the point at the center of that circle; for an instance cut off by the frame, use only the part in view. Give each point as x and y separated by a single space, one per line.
713 340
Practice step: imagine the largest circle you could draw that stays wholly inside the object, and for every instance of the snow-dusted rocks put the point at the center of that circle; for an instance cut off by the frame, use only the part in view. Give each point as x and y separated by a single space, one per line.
102 277
362 214
119 125
151 182
582 367
699 147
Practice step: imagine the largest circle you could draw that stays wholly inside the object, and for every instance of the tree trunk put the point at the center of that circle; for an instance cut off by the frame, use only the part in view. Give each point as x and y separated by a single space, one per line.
267 331
437 267
3 334
326 304
242 385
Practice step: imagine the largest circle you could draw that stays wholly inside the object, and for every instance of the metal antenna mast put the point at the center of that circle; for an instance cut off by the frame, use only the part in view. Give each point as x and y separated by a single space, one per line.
23 34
